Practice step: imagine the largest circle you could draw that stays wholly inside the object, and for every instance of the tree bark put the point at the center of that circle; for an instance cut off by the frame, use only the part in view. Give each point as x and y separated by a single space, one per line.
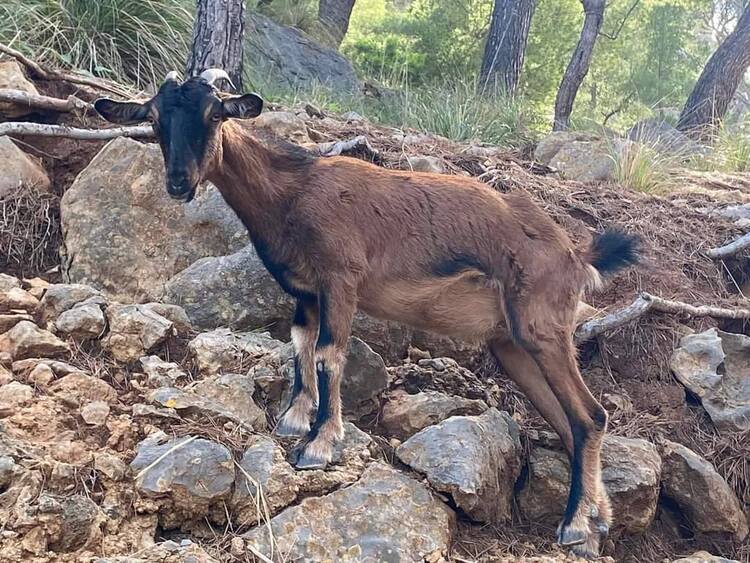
717 84
506 45
579 63
217 38
334 17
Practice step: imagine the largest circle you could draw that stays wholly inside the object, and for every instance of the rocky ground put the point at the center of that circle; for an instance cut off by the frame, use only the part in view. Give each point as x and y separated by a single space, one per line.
144 358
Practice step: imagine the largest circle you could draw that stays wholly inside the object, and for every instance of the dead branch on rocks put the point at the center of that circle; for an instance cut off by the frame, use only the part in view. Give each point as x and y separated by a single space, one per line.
730 249
646 302
47 103
335 148
45 130
49 74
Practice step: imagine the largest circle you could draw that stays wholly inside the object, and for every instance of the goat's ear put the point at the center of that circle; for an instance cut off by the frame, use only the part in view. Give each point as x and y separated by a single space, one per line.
243 107
123 113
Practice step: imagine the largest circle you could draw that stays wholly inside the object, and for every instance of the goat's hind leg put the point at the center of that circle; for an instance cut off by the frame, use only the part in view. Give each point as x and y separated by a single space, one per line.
588 514
337 307
295 422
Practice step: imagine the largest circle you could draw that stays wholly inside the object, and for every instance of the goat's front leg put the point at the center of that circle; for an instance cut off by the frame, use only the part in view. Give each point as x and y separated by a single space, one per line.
337 307
295 422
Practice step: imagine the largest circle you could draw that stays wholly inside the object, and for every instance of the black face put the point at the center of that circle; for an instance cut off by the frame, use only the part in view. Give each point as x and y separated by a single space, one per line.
187 121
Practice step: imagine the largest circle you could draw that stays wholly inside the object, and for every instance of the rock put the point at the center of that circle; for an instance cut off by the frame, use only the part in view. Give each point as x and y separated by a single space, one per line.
234 291
703 496
464 353
83 322
704 557
284 124
475 459
161 373
714 366
24 368
15 394
228 396
173 313
586 161
135 330
221 349
42 375
548 147
631 470
16 298
270 474
124 234
60 297
365 378
110 465
665 138
8 321
8 469
19 169
424 164
95 413
385 516
289 58
8 282
387 338
404 415
79 388
26 340
73 523
13 78
166 552
194 477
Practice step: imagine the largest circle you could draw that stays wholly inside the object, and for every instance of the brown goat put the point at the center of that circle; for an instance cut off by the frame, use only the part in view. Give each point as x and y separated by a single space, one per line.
440 253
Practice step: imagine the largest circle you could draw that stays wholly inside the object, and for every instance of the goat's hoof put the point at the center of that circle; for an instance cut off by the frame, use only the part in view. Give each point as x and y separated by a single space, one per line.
285 430
569 537
586 551
602 528
306 461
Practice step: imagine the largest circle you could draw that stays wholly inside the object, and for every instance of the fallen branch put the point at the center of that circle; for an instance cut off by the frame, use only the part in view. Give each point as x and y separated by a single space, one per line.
44 130
49 74
335 148
36 101
730 249
646 302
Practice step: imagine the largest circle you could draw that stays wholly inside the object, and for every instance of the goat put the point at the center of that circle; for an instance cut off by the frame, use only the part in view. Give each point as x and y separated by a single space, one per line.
440 253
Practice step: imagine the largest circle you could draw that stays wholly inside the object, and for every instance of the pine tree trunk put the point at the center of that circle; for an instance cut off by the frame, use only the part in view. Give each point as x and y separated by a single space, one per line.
579 63
334 17
506 44
217 38
717 84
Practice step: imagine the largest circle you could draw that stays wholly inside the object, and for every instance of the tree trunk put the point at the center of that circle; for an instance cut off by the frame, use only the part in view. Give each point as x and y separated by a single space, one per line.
506 45
334 17
579 63
217 38
717 84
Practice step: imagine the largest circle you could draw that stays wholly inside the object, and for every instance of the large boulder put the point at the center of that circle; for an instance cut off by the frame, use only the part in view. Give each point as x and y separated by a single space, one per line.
289 58
631 470
715 367
19 169
547 148
234 291
703 496
365 378
475 459
664 137
126 236
385 516
704 557
404 415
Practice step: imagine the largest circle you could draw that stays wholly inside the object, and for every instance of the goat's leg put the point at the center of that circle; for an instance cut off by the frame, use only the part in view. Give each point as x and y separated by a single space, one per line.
523 370
295 422
588 514
337 307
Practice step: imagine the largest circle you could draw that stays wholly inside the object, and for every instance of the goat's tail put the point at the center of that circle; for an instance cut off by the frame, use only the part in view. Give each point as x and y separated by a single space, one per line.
611 251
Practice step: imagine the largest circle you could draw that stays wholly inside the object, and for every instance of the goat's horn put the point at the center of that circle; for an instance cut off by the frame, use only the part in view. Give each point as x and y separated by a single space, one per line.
173 76
211 75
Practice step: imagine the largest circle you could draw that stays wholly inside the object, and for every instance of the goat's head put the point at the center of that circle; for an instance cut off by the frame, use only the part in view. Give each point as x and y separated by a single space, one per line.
187 118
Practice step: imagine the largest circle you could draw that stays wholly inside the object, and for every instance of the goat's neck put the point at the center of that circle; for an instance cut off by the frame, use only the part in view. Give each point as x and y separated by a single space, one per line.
258 193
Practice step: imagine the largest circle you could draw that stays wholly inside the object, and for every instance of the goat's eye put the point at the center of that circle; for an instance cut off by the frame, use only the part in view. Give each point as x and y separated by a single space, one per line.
216 116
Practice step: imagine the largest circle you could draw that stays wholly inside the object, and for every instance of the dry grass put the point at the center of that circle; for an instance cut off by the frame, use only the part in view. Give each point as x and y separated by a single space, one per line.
30 234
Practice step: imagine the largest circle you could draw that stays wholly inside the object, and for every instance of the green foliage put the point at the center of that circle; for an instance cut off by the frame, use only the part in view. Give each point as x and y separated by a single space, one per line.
138 40
642 167
302 14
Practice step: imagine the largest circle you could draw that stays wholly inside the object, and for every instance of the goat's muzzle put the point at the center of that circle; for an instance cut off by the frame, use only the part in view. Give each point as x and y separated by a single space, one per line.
181 192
